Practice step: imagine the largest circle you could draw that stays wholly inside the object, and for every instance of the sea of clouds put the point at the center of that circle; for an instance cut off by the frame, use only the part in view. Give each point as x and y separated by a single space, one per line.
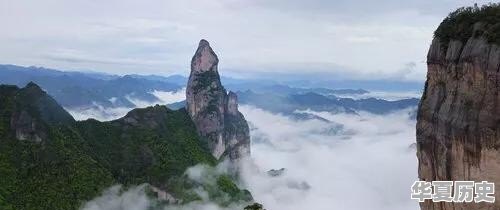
136 198
366 163
370 165
390 96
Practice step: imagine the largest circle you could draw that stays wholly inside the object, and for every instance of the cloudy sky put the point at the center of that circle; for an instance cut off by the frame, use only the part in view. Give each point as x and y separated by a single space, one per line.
357 39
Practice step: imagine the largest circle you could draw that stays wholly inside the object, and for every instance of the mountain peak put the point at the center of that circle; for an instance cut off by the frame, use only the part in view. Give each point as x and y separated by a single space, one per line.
32 110
214 112
31 85
33 88
204 59
38 103
203 43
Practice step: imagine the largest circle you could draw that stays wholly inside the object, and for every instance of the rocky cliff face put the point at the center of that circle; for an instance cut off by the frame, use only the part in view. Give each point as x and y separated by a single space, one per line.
33 110
213 110
458 128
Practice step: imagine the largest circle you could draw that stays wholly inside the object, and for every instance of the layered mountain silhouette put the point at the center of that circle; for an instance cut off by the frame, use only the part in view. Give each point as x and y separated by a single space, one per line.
80 90
50 161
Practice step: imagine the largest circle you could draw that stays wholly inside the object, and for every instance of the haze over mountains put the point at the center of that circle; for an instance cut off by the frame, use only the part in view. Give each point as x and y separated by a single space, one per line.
74 89
110 97
313 110
48 160
113 95
323 105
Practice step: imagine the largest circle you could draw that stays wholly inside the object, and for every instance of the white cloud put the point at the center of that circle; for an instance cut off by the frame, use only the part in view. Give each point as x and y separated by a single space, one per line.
136 198
390 96
362 39
369 164
170 97
370 167
160 37
116 198
99 112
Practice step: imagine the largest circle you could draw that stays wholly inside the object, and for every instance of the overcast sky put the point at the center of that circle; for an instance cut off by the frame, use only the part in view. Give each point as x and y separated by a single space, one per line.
357 39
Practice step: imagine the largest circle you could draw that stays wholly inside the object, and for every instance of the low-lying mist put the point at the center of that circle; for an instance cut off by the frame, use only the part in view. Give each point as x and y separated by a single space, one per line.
367 165
136 197
99 112
335 161
390 96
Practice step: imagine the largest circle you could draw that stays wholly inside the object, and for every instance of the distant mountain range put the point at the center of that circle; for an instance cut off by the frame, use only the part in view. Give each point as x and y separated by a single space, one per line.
87 89
318 102
74 89
49 160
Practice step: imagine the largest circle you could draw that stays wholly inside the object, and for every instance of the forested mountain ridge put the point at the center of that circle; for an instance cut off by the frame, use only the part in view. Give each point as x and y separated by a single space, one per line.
48 160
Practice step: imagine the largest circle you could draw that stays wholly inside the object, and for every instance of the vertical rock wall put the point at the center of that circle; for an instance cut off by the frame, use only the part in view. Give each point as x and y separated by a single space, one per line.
458 123
213 110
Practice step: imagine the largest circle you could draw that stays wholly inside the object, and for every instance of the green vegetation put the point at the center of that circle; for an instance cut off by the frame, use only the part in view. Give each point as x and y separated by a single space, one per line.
205 79
75 161
459 25
146 153
225 184
209 82
220 188
54 174
235 124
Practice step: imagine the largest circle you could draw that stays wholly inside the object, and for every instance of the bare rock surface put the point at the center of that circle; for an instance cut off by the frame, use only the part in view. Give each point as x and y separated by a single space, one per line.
458 122
213 110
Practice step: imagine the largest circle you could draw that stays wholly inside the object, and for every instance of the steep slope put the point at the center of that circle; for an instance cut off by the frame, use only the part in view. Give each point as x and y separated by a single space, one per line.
50 161
41 164
213 110
458 128
148 145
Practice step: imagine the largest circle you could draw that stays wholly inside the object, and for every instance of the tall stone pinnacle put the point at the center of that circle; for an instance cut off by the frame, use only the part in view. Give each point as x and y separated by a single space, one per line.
214 111
204 59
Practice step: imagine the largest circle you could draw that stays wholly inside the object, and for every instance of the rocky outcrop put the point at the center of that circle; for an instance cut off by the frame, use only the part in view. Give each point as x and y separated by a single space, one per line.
32 112
458 122
213 110
276 172
26 127
255 206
